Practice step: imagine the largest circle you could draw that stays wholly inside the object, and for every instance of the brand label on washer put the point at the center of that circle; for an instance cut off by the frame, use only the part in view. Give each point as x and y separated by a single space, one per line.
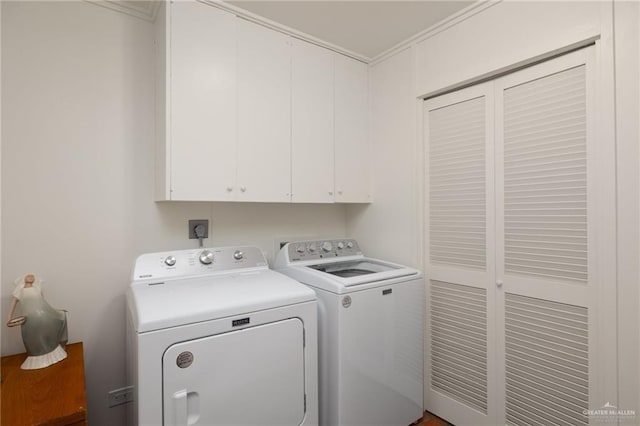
346 301
185 359
239 322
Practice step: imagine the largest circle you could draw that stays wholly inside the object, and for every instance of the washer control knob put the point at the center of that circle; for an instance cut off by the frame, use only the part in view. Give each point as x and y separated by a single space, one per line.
238 255
170 260
311 248
349 244
300 249
327 246
206 257
340 245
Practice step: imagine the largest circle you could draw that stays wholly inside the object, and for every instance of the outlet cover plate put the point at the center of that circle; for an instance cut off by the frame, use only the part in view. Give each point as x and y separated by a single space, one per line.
120 396
192 228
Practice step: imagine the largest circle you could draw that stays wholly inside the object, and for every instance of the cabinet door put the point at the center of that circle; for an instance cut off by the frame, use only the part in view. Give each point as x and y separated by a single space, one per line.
312 124
555 245
264 114
352 163
202 102
460 369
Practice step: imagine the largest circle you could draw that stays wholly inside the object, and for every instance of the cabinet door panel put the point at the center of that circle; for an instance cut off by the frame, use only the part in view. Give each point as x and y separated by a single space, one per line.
553 243
352 163
312 123
202 102
460 371
264 114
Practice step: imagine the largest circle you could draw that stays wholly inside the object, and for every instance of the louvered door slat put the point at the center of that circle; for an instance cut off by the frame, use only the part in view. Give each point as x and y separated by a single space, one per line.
456 169
547 367
457 363
557 383
458 342
540 114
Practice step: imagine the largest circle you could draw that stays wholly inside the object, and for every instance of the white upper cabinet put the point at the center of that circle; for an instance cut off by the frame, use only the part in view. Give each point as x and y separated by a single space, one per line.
352 162
264 114
197 151
312 124
247 113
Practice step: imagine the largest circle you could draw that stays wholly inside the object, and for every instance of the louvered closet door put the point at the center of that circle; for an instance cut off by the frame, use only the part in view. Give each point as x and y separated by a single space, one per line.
459 368
547 238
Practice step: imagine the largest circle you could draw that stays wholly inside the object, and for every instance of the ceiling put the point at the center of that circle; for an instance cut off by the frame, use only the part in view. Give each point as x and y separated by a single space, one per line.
367 28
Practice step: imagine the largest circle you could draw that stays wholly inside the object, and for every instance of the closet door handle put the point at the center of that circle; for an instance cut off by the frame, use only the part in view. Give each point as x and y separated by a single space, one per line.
499 283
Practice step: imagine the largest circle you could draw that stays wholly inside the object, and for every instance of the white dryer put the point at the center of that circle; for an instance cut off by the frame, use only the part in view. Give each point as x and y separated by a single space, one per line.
216 338
370 332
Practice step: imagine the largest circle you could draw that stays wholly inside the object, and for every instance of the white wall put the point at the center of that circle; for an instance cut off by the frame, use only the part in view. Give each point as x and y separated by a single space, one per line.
77 178
388 228
502 37
627 57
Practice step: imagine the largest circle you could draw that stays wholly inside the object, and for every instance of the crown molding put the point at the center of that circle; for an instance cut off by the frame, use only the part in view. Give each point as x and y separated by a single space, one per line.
146 10
438 27
260 20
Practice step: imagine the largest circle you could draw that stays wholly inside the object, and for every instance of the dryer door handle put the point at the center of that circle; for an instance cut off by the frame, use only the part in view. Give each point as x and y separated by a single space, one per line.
186 406
181 414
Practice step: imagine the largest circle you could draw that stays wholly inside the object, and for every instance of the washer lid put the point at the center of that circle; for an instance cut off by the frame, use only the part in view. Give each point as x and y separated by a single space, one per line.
360 271
361 267
349 274
171 303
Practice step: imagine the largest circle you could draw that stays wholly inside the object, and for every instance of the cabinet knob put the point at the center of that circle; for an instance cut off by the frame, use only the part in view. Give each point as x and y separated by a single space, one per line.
339 192
330 192
243 189
499 283
229 188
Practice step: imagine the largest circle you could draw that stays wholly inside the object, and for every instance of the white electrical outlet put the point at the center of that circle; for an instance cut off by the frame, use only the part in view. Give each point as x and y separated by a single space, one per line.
120 396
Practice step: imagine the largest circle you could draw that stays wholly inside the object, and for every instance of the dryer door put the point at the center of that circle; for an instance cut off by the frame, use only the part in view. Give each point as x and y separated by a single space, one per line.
252 376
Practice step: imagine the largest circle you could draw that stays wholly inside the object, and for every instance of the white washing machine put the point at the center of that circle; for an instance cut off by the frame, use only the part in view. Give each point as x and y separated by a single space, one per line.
214 337
370 332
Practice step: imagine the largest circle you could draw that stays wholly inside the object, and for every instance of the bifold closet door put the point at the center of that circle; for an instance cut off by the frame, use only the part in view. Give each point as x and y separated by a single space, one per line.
520 248
459 367
551 242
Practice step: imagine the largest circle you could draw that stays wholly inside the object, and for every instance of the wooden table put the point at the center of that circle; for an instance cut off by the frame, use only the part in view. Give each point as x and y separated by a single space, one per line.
52 396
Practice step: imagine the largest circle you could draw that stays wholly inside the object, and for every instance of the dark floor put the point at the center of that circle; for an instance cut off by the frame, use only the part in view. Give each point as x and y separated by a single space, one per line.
431 420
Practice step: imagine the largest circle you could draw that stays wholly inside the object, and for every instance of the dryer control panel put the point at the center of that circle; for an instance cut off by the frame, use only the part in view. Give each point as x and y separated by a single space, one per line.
322 249
202 261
